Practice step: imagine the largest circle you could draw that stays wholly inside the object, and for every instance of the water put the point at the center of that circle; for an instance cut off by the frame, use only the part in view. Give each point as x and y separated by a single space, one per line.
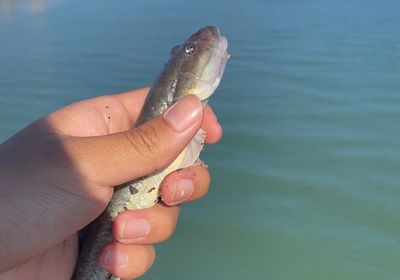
305 181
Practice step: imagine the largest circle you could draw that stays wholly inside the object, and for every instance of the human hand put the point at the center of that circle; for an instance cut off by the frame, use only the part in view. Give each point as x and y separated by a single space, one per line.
58 174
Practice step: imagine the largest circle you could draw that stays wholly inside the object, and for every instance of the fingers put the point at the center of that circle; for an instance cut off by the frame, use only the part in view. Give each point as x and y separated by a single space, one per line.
113 159
100 115
131 256
126 258
210 122
136 97
146 226
211 126
156 224
185 185
127 261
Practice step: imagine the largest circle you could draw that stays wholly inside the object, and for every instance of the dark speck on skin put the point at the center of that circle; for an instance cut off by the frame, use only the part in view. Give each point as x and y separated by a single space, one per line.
152 189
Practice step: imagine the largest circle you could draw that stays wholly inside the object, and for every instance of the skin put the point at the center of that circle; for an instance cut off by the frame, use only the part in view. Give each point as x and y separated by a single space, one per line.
58 174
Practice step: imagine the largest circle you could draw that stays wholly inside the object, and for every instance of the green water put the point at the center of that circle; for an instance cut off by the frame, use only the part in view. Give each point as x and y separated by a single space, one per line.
305 181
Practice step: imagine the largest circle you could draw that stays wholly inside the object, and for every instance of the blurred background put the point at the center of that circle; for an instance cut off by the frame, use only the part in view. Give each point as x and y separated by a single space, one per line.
306 179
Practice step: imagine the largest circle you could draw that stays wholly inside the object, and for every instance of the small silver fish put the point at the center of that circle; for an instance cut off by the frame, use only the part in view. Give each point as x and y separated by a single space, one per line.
195 67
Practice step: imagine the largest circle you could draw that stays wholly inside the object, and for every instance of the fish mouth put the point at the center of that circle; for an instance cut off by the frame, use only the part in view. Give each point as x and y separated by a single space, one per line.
208 33
223 48
223 42
220 42
212 36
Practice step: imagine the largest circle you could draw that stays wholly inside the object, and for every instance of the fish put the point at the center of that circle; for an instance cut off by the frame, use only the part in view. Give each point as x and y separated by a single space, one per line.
194 67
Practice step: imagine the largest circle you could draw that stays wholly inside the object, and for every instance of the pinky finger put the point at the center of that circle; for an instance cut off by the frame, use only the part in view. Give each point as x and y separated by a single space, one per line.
127 261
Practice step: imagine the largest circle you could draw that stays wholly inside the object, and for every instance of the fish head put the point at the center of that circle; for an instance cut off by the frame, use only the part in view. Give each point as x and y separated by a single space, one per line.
201 61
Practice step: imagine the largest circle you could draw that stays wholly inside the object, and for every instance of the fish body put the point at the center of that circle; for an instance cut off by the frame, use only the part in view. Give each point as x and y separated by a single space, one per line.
195 67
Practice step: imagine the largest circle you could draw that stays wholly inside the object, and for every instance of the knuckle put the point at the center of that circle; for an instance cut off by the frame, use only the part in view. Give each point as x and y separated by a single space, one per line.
144 140
202 180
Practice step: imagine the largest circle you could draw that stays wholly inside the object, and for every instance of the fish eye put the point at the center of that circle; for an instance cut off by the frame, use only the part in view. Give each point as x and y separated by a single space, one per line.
190 49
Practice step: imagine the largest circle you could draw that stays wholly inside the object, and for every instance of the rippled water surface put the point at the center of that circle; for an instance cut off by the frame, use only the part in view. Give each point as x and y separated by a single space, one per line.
306 180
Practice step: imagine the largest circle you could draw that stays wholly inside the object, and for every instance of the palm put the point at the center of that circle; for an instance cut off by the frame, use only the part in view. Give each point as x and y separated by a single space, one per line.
99 116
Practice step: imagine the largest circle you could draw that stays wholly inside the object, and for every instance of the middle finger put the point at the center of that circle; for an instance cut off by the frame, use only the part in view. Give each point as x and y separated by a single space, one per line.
146 226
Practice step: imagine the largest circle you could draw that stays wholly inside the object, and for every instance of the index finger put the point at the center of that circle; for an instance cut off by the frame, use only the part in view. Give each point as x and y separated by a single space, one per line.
133 101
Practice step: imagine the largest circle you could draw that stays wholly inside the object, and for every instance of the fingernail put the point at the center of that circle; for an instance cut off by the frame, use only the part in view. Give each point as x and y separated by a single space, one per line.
133 229
183 189
116 258
183 113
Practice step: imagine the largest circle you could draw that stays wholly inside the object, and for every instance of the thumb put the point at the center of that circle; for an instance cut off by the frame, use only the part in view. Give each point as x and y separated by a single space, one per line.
114 159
